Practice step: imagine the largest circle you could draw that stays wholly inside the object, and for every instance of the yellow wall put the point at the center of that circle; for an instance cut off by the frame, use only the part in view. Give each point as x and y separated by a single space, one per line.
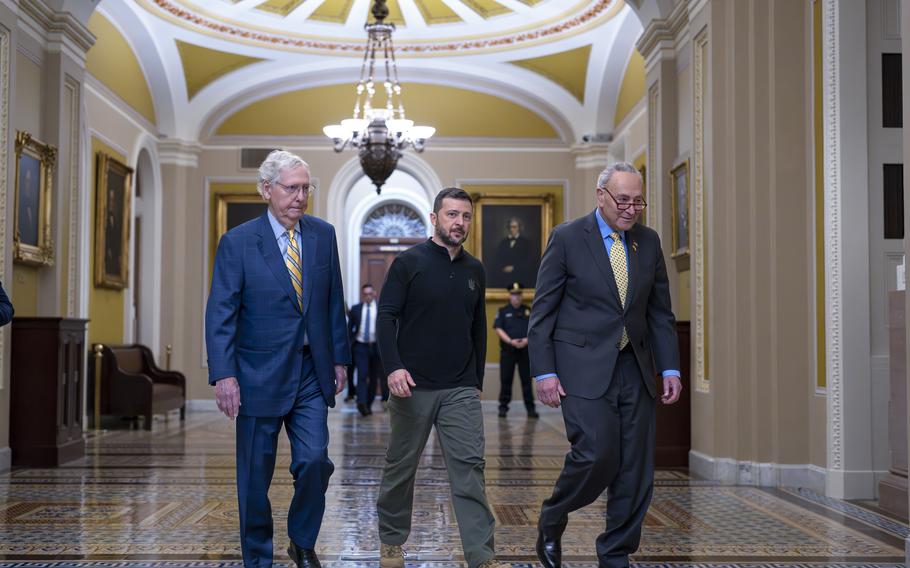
558 216
633 87
454 112
112 61
105 305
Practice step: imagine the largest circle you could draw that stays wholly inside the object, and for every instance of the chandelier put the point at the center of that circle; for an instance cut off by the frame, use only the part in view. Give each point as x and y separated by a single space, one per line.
381 133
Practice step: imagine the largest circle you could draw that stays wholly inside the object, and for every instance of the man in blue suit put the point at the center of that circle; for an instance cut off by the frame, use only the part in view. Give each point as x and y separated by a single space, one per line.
6 308
277 349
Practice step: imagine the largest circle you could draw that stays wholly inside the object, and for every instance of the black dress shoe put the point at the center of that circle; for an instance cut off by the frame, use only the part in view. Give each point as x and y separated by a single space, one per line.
532 413
502 412
362 409
303 557
549 550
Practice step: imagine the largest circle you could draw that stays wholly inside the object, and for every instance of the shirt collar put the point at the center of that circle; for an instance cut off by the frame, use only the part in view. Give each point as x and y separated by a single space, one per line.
443 250
277 227
605 230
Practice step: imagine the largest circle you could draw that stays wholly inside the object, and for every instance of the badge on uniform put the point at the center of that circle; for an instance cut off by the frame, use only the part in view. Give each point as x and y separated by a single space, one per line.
527 312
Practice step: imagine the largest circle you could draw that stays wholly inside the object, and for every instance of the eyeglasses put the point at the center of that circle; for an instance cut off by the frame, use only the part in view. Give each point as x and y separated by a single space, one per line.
638 204
307 189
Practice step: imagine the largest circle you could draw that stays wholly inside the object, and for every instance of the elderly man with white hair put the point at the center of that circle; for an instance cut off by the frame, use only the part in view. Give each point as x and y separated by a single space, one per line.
277 351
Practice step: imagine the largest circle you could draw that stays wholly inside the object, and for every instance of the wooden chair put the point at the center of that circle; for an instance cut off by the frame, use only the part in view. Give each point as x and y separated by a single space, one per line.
133 385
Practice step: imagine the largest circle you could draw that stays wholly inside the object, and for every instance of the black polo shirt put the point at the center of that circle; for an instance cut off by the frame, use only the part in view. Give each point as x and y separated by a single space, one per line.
432 319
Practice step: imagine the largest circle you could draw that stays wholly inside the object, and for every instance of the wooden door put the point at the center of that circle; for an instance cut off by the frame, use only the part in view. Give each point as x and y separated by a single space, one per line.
376 256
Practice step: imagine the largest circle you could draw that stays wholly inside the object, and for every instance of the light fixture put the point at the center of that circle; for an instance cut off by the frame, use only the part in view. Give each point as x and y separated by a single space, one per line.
381 133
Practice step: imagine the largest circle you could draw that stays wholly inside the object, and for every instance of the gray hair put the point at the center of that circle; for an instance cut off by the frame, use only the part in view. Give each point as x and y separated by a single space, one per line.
276 162
604 178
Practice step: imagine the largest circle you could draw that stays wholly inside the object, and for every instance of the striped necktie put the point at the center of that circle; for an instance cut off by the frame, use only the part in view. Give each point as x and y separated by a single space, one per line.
293 263
621 274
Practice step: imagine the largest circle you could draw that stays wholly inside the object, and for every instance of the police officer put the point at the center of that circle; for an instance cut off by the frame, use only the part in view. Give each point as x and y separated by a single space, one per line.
511 324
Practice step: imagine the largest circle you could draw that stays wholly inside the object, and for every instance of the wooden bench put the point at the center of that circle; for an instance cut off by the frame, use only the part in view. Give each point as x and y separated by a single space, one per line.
133 385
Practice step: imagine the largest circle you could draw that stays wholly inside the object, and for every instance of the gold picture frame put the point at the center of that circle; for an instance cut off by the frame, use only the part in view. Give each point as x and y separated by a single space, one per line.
32 240
493 215
113 196
679 205
230 209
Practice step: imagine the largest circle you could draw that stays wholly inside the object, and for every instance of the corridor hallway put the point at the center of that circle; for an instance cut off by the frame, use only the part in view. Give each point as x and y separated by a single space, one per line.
167 499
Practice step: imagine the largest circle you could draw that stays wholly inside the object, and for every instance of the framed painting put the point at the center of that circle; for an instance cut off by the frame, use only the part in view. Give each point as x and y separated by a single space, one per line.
35 163
113 191
232 209
509 237
679 204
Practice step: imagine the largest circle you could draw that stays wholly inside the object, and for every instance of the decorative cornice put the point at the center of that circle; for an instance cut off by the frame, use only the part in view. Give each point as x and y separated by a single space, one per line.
60 28
590 156
663 31
591 15
179 153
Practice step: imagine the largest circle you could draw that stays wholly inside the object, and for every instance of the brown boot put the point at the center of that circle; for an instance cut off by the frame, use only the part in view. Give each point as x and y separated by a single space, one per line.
391 556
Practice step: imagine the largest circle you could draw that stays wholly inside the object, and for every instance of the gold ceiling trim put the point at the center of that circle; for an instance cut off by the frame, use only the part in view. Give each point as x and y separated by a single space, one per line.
487 8
279 7
436 12
336 12
548 31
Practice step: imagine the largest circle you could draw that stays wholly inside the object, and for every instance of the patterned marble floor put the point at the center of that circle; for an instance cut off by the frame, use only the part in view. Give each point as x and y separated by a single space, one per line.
166 499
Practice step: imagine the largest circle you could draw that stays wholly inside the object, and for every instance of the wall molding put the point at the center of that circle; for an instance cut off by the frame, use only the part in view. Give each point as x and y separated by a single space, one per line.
6 459
73 92
728 471
699 258
663 33
5 140
833 238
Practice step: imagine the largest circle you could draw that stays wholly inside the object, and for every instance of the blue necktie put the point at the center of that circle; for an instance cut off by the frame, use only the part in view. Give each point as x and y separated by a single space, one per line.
366 323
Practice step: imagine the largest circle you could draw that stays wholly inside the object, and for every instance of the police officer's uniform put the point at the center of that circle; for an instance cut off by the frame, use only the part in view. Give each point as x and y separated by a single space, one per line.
514 322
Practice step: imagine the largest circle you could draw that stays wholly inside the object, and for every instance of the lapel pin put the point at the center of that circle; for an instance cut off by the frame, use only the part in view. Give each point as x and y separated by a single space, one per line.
634 246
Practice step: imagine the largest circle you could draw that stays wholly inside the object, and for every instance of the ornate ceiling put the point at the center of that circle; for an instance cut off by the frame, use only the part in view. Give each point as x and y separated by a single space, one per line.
205 61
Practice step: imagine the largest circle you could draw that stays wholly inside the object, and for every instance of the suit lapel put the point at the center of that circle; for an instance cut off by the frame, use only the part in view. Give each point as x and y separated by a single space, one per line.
632 248
308 235
268 246
598 250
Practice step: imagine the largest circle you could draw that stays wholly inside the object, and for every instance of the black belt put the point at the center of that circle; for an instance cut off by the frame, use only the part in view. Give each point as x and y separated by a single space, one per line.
305 350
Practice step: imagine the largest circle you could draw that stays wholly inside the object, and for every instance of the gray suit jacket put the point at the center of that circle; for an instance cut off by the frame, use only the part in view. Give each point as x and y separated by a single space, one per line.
577 317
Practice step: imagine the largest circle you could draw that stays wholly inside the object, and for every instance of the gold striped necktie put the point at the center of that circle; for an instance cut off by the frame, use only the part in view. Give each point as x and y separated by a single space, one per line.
293 263
621 274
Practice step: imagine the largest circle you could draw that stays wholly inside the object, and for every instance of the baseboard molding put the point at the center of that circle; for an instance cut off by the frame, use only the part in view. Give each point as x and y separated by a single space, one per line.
201 405
853 484
6 459
735 472
907 551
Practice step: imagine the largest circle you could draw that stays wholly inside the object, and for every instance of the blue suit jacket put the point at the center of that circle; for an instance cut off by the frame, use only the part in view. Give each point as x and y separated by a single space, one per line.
254 328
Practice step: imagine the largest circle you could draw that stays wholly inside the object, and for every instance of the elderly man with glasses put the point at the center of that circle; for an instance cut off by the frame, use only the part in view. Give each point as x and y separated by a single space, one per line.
277 347
600 321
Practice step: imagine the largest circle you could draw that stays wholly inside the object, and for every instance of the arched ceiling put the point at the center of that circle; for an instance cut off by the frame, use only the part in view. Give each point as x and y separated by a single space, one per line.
562 60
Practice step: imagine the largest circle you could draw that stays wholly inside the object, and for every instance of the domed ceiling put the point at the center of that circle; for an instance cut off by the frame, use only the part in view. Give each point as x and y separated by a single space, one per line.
206 61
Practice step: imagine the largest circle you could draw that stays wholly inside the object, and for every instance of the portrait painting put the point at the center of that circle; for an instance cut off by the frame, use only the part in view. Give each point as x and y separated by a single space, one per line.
510 234
35 162
679 198
112 222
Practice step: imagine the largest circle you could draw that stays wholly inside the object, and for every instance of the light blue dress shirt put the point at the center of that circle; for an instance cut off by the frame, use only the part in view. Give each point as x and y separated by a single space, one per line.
281 235
605 232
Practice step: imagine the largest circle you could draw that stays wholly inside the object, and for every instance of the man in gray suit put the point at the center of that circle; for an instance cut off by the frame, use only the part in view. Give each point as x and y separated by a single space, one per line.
600 321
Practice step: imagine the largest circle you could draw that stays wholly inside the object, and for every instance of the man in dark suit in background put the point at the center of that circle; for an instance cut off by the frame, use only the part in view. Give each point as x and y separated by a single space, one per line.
277 347
600 320
6 308
362 327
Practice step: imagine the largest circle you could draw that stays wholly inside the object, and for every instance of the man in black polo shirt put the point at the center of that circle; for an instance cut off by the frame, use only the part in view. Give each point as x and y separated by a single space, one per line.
432 340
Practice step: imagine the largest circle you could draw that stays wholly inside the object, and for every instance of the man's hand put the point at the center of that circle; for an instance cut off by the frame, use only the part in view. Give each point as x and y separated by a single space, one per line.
227 396
400 383
672 390
549 391
341 377
521 343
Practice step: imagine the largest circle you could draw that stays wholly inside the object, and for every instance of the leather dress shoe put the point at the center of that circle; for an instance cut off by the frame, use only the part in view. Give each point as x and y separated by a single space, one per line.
362 409
303 557
549 550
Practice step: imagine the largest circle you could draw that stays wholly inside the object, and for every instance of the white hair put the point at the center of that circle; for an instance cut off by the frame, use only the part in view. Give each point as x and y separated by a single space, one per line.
276 162
604 178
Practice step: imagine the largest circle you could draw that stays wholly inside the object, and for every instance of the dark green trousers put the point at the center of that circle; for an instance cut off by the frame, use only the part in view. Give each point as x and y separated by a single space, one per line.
458 419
